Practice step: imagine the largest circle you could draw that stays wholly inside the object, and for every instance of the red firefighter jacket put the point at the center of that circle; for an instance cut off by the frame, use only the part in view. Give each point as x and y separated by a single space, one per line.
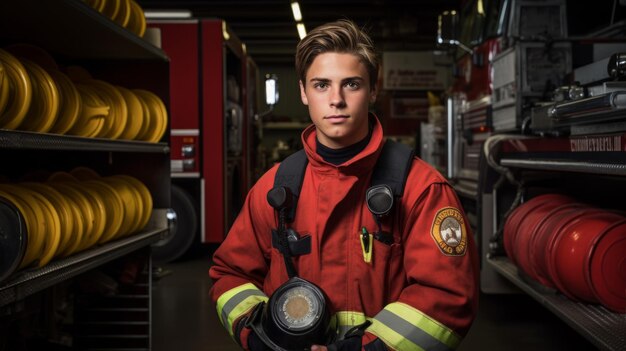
419 292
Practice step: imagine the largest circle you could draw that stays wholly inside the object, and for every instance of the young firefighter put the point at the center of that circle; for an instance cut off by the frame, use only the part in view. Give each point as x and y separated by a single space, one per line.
418 290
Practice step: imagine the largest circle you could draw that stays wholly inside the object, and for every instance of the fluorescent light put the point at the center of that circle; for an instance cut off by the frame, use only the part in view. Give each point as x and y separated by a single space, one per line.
225 33
295 8
301 30
480 8
152 14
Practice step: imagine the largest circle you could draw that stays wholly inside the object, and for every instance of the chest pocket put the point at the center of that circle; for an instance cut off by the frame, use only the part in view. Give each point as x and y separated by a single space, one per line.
383 265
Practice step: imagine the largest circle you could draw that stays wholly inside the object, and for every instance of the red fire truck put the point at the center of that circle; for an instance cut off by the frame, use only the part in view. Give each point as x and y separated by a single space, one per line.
505 35
537 130
213 101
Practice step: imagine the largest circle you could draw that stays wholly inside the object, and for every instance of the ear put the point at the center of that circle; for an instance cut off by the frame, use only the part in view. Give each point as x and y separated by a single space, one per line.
373 94
303 94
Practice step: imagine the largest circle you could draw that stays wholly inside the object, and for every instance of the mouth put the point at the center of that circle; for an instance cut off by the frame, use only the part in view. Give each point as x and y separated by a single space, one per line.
336 117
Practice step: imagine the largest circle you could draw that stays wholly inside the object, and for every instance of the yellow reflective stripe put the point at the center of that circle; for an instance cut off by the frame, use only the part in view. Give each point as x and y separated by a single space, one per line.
348 319
406 328
426 323
391 338
236 302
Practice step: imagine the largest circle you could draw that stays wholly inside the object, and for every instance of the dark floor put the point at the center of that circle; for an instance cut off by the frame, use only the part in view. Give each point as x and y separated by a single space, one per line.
184 319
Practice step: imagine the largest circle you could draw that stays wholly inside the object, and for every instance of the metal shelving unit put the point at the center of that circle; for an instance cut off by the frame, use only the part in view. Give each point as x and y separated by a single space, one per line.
84 32
30 281
73 33
605 329
20 140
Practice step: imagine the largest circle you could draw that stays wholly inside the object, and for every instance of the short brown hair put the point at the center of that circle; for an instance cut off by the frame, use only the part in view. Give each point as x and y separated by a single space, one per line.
342 36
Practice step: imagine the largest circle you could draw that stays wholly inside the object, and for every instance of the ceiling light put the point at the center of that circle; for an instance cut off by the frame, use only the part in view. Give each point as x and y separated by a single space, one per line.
170 14
301 30
225 33
295 8
480 8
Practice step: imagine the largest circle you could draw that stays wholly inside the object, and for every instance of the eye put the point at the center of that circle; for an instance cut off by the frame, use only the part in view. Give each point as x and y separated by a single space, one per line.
320 85
354 85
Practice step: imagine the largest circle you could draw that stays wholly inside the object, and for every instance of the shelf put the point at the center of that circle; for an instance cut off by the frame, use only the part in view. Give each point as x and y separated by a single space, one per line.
85 33
594 154
30 281
605 168
605 329
10 139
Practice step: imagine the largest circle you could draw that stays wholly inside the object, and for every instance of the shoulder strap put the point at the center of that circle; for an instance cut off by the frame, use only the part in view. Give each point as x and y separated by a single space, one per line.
392 167
290 174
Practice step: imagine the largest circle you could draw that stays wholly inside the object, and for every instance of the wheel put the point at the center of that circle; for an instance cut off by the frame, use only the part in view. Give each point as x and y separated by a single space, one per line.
183 228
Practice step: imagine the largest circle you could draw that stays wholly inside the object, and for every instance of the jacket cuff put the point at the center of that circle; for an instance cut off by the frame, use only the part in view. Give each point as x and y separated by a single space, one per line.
368 337
243 338
371 342
241 333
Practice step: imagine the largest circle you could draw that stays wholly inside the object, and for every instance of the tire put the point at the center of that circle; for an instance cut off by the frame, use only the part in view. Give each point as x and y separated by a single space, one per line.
183 231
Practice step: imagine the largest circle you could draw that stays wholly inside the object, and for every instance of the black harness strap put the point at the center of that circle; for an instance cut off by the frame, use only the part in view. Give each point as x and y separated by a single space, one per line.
393 166
390 172
290 174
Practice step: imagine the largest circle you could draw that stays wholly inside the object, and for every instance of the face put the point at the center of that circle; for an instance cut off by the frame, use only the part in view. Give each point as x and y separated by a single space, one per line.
338 93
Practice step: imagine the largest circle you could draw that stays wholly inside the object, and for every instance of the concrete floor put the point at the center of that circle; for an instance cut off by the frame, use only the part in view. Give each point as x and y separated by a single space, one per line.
184 319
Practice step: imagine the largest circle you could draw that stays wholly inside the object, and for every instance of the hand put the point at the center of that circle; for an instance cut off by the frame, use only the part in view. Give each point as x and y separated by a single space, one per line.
349 344
255 344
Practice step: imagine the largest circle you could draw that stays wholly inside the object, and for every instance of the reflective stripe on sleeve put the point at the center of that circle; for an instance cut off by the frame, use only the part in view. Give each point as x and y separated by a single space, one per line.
236 302
348 319
406 328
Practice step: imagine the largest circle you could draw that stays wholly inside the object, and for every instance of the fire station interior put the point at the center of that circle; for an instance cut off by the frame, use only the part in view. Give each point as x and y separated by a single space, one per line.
132 131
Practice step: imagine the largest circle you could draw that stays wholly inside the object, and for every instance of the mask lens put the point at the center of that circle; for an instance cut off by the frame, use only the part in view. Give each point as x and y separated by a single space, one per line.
298 308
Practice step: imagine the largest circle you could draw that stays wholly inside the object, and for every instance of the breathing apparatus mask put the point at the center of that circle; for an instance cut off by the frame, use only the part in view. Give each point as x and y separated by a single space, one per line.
298 313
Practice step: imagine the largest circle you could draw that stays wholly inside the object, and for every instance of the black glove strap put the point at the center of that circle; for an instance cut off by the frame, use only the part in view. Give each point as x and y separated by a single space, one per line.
352 340
357 330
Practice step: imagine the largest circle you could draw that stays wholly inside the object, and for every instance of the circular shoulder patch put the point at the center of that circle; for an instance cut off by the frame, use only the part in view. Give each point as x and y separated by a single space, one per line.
449 231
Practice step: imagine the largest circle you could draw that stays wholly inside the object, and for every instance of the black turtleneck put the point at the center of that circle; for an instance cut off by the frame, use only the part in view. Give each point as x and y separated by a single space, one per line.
339 156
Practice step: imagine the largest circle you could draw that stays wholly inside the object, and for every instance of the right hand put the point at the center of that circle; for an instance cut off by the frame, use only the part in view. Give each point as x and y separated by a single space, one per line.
255 344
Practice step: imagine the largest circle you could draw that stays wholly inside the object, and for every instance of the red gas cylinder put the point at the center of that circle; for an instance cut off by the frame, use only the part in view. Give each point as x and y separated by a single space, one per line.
606 274
571 253
544 232
512 224
527 228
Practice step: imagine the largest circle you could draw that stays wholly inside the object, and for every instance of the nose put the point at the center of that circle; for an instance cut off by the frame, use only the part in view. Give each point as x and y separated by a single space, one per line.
336 98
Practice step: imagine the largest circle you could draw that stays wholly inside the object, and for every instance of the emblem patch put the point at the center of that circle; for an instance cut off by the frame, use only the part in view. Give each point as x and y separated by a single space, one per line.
449 231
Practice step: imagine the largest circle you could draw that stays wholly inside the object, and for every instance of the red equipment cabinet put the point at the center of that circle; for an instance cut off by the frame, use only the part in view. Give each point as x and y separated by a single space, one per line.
209 130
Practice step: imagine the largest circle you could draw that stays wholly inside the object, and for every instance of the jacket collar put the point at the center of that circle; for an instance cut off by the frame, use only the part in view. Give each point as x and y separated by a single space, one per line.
360 164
